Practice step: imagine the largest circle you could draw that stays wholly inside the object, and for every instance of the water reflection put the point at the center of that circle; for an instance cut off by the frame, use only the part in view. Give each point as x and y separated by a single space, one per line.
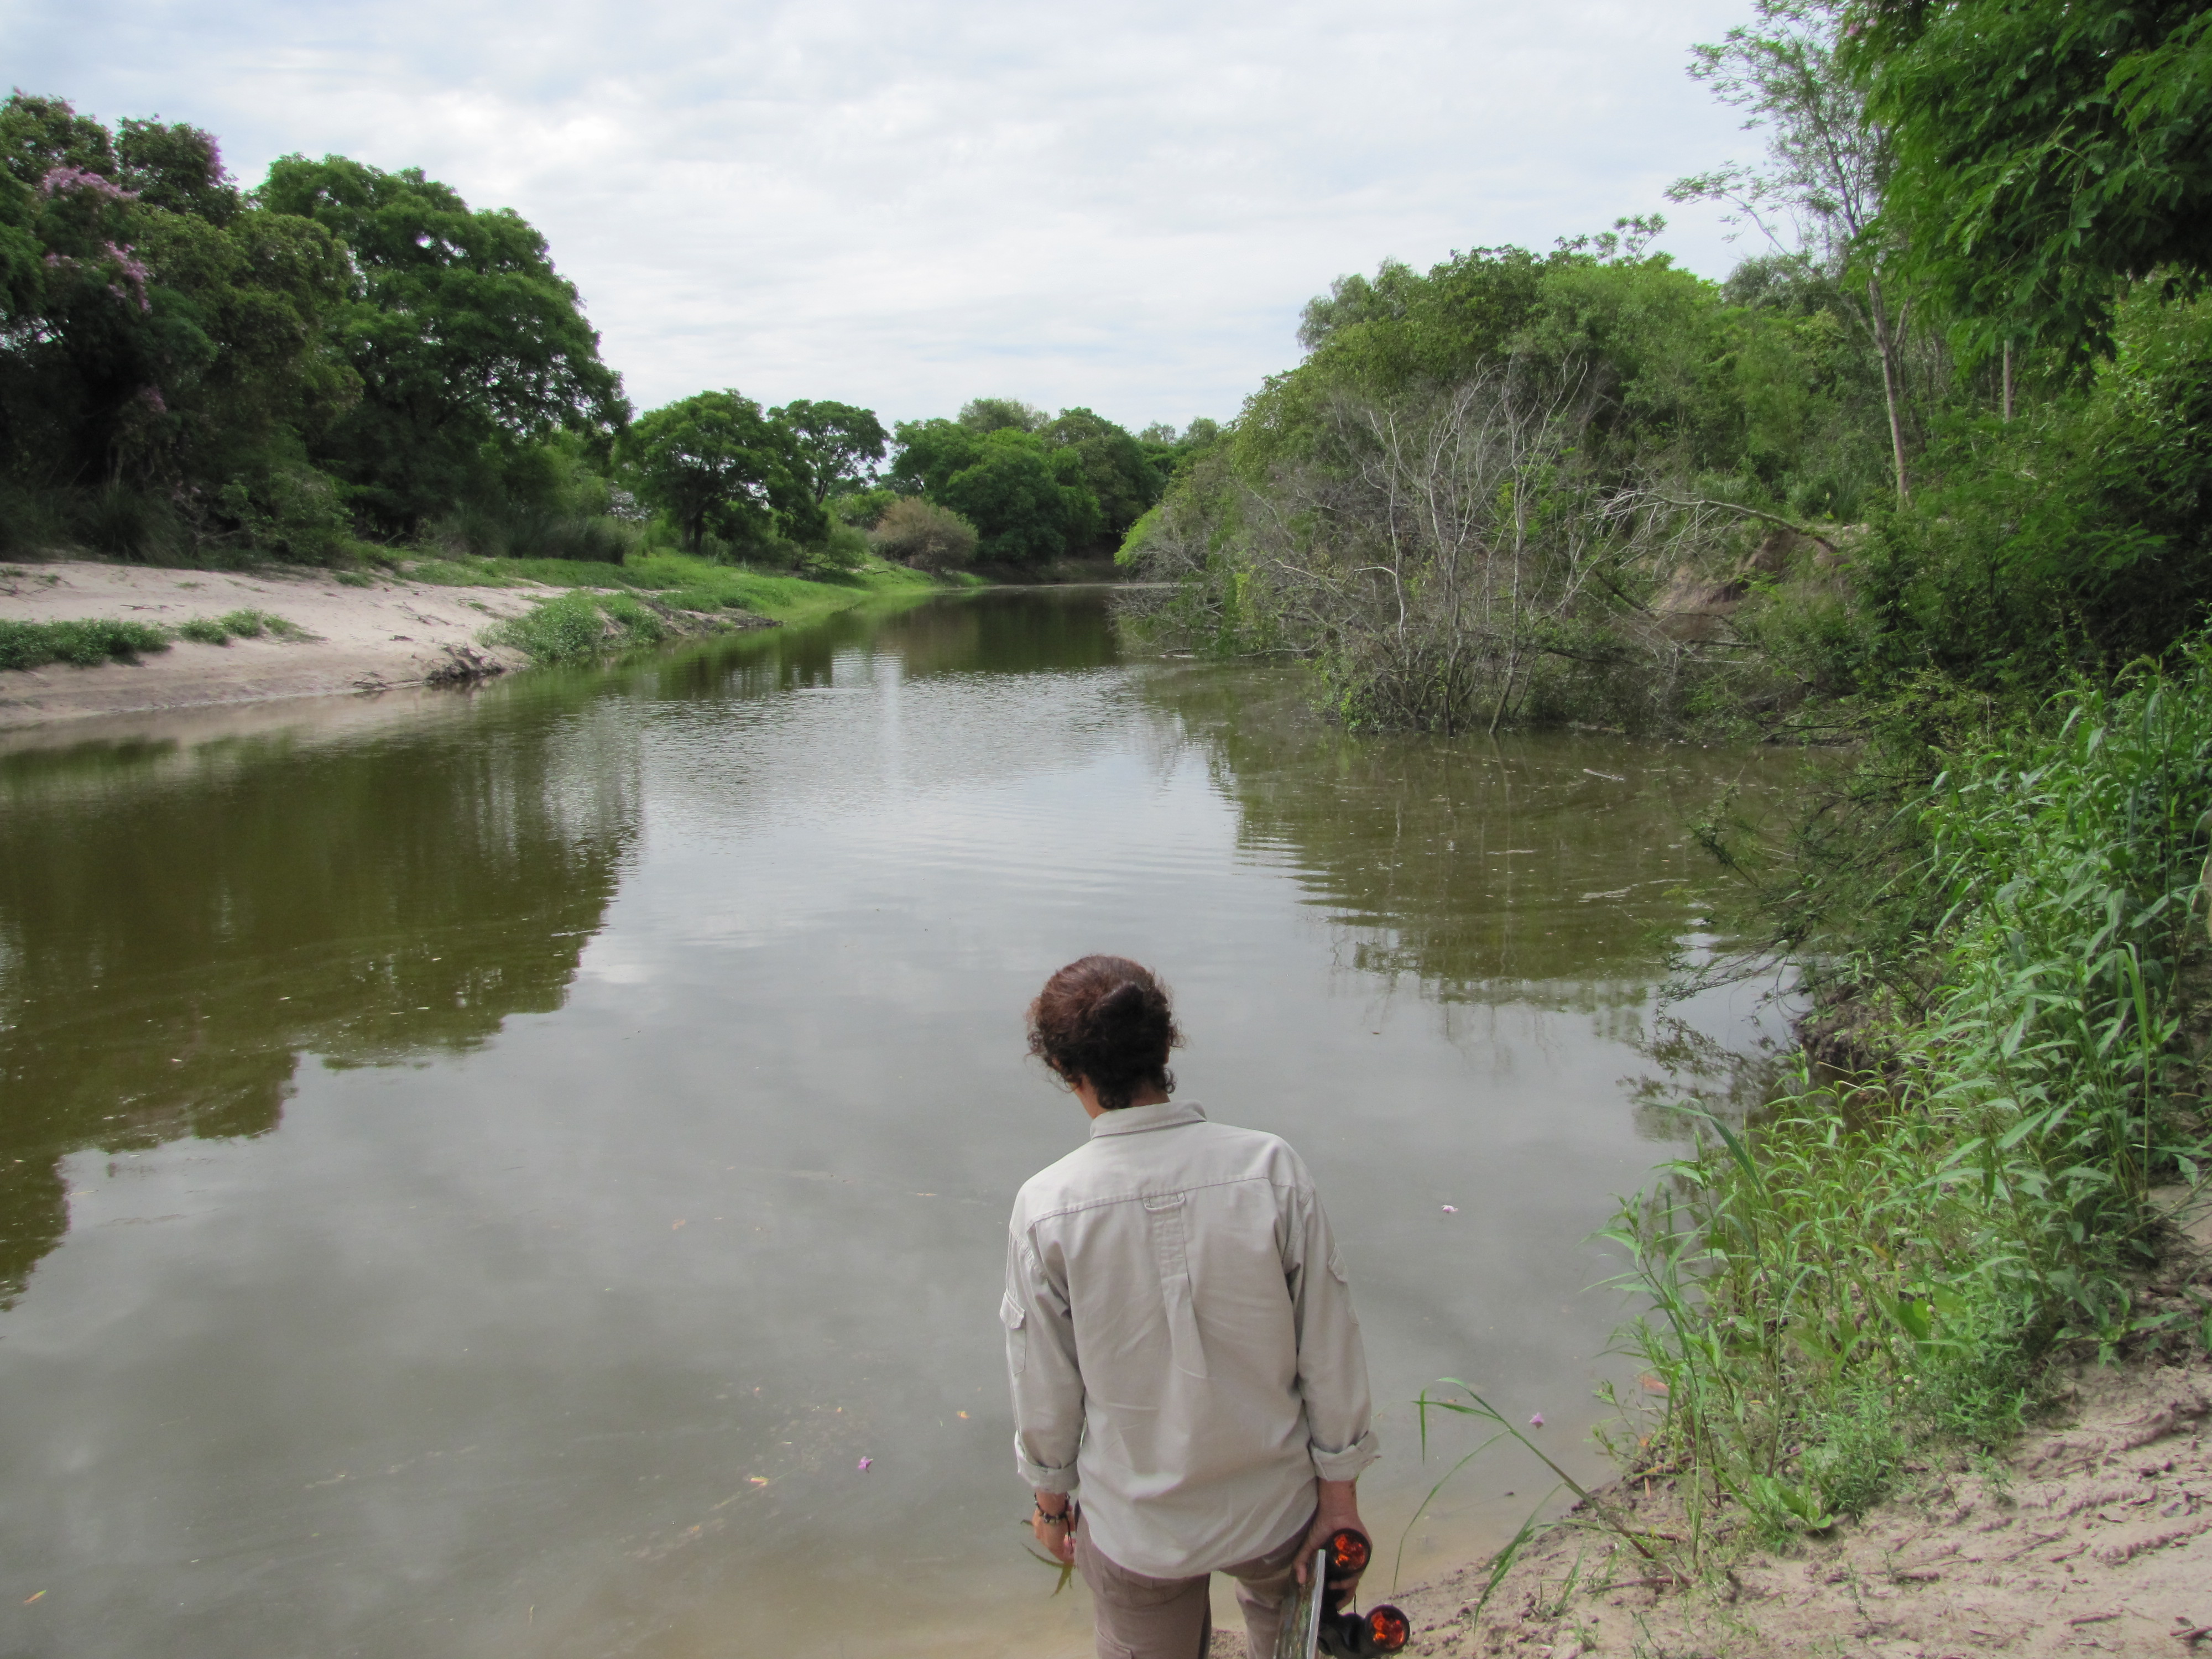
179 927
1527 870
647 1047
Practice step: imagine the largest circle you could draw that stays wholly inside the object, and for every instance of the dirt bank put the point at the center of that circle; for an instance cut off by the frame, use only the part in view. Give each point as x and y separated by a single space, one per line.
2093 1535
395 633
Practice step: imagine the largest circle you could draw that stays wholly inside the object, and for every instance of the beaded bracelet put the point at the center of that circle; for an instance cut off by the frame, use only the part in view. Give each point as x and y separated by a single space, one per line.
1065 1517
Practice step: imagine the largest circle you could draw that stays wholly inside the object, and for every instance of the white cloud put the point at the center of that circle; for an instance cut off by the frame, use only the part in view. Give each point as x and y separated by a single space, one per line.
906 205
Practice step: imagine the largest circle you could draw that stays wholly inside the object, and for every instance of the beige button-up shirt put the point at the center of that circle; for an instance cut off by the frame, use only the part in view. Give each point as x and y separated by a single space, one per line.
1181 1340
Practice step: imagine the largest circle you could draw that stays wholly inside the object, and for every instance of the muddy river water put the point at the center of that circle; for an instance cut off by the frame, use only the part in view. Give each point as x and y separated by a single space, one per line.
478 1174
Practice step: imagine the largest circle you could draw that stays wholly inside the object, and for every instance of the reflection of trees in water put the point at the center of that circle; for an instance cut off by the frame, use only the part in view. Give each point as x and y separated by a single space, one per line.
998 631
177 927
1698 1070
1540 872
1548 869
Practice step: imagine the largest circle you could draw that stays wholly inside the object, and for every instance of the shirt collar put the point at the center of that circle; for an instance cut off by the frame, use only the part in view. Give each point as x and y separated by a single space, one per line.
1135 1119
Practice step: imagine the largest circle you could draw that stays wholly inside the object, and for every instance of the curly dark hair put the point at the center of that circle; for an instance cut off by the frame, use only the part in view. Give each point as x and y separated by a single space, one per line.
1106 1021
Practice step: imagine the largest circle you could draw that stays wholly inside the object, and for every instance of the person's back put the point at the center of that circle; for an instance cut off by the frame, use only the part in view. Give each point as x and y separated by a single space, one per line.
1180 1337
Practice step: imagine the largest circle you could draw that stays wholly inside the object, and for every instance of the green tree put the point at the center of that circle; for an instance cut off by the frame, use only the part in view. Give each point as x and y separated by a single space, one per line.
1167 451
2048 152
1354 299
466 339
1027 499
716 464
1122 480
929 453
982 415
170 338
842 443
1027 502
1828 169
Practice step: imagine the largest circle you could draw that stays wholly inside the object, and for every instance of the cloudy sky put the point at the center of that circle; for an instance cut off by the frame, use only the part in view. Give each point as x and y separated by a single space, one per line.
904 204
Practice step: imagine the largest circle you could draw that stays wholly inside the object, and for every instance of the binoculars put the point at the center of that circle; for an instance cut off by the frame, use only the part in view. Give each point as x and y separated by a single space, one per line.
1316 1620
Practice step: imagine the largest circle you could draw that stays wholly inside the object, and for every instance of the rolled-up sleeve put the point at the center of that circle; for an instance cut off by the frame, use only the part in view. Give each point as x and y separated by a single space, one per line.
1332 1358
1041 1371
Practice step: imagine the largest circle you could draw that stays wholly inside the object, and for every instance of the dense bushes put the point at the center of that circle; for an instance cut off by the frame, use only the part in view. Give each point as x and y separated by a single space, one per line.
924 535
1885 1252
1629 381
578 627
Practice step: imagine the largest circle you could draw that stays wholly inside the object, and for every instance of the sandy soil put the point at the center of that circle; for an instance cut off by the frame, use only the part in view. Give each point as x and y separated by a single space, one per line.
2094 1535
366 639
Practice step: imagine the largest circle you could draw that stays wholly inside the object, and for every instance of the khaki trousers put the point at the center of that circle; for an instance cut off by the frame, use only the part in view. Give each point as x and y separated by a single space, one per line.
1141 1618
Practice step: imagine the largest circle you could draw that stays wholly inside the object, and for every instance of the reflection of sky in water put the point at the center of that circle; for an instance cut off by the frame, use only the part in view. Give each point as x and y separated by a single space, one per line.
560 1325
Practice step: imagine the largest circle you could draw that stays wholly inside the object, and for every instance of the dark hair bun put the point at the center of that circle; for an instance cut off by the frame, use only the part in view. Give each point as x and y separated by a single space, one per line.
1107 1021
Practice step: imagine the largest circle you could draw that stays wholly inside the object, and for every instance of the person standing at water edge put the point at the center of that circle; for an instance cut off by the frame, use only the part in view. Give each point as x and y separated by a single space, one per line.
1190 1390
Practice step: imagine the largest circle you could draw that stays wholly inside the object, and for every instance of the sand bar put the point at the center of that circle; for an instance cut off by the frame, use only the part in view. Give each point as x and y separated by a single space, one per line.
397 632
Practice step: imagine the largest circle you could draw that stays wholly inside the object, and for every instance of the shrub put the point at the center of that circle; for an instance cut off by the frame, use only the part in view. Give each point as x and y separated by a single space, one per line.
239 624
29 523
924 535
127 523
862 509
594 540
1886 1254
96 639
578 626
292 512
844 551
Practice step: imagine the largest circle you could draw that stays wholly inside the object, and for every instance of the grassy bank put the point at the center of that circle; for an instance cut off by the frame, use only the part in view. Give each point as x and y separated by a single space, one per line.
87 642
651 597
685 583
84 643
1887 1259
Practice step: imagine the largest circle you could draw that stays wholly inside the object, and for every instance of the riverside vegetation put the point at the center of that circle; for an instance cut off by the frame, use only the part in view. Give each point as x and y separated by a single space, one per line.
97 640
349 367
1928 476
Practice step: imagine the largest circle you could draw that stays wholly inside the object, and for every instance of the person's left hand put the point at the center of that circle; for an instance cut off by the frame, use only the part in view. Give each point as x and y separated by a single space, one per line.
1056 1533
1340 1507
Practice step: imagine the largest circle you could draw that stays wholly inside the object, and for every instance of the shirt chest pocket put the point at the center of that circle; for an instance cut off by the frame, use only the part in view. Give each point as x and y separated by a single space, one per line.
1011 1315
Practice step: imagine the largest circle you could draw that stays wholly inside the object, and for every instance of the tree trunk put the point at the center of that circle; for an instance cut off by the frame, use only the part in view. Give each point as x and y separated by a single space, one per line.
2007 382
1884 345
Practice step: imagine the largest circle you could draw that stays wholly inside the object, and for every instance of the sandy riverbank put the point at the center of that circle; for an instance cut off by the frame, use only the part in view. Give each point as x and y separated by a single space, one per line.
2093 1535
396 633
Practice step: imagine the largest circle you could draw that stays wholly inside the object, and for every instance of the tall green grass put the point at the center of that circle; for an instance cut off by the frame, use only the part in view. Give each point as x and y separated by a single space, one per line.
95 640
684 581
578 626
1883 1260
241 625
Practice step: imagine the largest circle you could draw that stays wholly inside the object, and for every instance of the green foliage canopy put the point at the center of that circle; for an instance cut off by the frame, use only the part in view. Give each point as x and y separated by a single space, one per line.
716 464
2047 151
841 444
464 335
1122 480
156 328
1028 498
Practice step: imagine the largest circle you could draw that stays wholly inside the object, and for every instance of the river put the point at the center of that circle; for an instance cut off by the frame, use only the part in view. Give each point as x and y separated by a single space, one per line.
479 1173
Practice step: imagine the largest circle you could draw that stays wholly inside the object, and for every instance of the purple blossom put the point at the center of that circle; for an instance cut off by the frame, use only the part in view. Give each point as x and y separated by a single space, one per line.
133 272
1537 1421
151 397
865 1462
62 179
